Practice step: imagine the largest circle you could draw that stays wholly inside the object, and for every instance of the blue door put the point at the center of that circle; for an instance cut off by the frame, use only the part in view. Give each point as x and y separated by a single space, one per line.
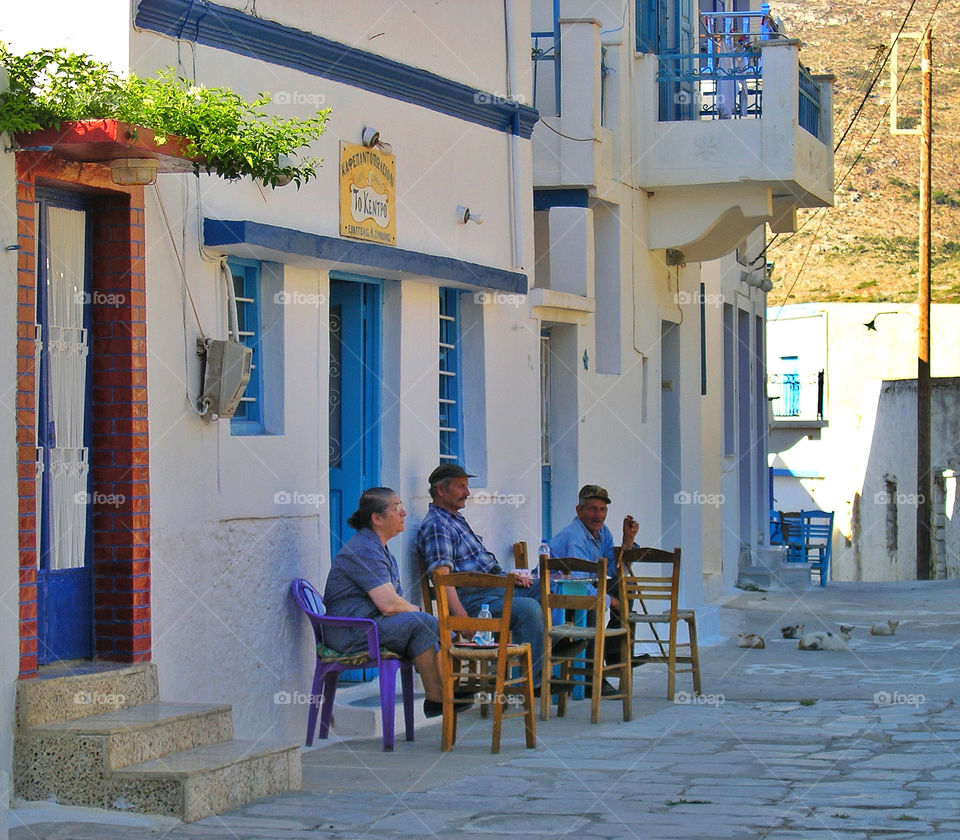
354 397
64 592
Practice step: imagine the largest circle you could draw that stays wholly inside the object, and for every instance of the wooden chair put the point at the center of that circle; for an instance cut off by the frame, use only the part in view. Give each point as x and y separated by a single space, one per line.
520 557
579 651
816 529
428 596
792 536
651 585
426 586
493 676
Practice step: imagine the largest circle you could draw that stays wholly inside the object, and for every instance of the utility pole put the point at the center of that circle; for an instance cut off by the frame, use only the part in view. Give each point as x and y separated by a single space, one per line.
924 505
925 131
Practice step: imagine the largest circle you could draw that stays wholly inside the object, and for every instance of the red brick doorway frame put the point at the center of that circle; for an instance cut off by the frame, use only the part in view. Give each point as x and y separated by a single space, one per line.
119 453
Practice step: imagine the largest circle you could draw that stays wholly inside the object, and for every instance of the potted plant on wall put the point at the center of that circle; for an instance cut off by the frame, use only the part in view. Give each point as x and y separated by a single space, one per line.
53 95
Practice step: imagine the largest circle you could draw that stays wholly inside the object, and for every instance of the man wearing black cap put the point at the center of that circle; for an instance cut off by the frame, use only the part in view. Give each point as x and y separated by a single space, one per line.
588 538
446 541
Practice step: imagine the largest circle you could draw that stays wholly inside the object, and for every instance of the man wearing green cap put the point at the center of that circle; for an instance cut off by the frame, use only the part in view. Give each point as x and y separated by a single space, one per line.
588 538
446 541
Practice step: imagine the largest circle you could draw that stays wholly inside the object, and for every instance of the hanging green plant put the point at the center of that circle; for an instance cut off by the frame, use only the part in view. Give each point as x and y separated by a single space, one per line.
228 135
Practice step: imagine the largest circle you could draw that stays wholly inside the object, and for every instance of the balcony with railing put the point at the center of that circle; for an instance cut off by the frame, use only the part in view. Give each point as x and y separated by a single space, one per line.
723 79
741 116
573 146
796 399
728 132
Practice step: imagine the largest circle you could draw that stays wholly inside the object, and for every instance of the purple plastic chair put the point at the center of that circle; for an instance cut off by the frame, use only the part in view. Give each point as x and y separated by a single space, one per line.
331 663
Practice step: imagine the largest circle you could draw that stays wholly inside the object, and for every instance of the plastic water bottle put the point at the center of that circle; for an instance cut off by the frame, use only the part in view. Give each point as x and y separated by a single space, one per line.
483 637
544 550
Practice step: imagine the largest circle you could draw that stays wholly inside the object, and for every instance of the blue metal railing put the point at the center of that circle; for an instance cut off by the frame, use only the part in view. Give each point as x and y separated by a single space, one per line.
546 47
809 115
719 86
724 79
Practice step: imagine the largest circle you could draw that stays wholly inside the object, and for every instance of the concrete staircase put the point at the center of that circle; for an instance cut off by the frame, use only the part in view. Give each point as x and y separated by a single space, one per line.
767 568
104 739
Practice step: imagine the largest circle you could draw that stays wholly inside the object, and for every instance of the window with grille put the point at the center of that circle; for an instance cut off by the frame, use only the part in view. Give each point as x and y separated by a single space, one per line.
248 419
451 403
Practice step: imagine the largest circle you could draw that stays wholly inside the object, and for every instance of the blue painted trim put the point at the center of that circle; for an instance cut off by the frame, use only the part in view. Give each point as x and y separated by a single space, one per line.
266 40
362 256
545 199
703 340
781 472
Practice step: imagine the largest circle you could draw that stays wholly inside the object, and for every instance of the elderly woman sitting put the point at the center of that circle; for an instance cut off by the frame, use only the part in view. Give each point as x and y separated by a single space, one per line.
364 582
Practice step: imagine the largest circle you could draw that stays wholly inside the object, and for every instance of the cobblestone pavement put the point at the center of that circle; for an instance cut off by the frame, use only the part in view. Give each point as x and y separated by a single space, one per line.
784 745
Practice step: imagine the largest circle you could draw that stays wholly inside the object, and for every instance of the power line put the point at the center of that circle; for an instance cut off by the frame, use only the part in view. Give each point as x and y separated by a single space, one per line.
869 139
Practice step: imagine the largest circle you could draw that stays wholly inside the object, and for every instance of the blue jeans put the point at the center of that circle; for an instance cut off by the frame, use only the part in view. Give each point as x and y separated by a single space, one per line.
526 617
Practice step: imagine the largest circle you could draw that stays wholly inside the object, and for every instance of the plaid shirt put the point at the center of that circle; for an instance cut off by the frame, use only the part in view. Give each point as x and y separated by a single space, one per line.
445 539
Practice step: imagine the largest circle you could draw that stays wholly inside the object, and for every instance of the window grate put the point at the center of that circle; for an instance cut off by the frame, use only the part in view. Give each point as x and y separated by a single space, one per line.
449 397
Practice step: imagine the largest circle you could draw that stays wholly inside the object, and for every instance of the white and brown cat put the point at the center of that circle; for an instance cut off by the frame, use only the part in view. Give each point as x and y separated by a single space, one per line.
827 640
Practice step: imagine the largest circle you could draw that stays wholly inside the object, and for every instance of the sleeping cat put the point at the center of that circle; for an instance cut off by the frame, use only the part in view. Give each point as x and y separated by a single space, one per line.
792 631
750 640
887 629
825 640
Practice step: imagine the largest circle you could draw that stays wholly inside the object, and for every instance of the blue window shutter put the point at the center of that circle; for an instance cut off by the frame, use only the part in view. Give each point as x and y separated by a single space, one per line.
248 419
450 395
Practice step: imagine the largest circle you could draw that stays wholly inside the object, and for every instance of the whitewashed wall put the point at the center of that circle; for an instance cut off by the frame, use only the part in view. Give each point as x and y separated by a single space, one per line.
217 533
857 363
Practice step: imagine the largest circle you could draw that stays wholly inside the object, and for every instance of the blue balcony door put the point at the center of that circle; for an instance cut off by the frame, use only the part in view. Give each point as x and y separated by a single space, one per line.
677 35
354 395
64 506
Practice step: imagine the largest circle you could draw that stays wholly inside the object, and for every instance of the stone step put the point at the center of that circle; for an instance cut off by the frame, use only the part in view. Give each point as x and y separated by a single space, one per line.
203 781
357 713
118 739
793 576
73 690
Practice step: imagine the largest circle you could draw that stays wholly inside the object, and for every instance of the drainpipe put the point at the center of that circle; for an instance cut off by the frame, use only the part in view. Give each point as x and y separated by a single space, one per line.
510 35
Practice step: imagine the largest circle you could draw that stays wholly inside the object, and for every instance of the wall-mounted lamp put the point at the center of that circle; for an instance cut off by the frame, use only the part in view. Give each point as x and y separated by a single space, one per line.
370 137
465 214
872 323
129 172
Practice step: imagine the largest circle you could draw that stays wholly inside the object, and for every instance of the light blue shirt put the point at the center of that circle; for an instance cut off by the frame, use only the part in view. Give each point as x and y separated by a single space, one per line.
576 541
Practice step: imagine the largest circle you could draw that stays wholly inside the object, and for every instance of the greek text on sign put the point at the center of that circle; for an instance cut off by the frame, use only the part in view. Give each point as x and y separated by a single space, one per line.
367 203
368 194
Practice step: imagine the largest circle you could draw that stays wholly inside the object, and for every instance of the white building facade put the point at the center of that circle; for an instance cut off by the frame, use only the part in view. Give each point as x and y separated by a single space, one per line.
670 137
351 339
612 333
843 431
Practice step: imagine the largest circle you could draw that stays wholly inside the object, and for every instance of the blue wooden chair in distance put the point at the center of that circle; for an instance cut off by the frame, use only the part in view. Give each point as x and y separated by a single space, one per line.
816 528
331 663
791 535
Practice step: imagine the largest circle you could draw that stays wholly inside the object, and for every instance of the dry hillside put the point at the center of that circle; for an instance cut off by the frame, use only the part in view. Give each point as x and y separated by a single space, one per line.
865 247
